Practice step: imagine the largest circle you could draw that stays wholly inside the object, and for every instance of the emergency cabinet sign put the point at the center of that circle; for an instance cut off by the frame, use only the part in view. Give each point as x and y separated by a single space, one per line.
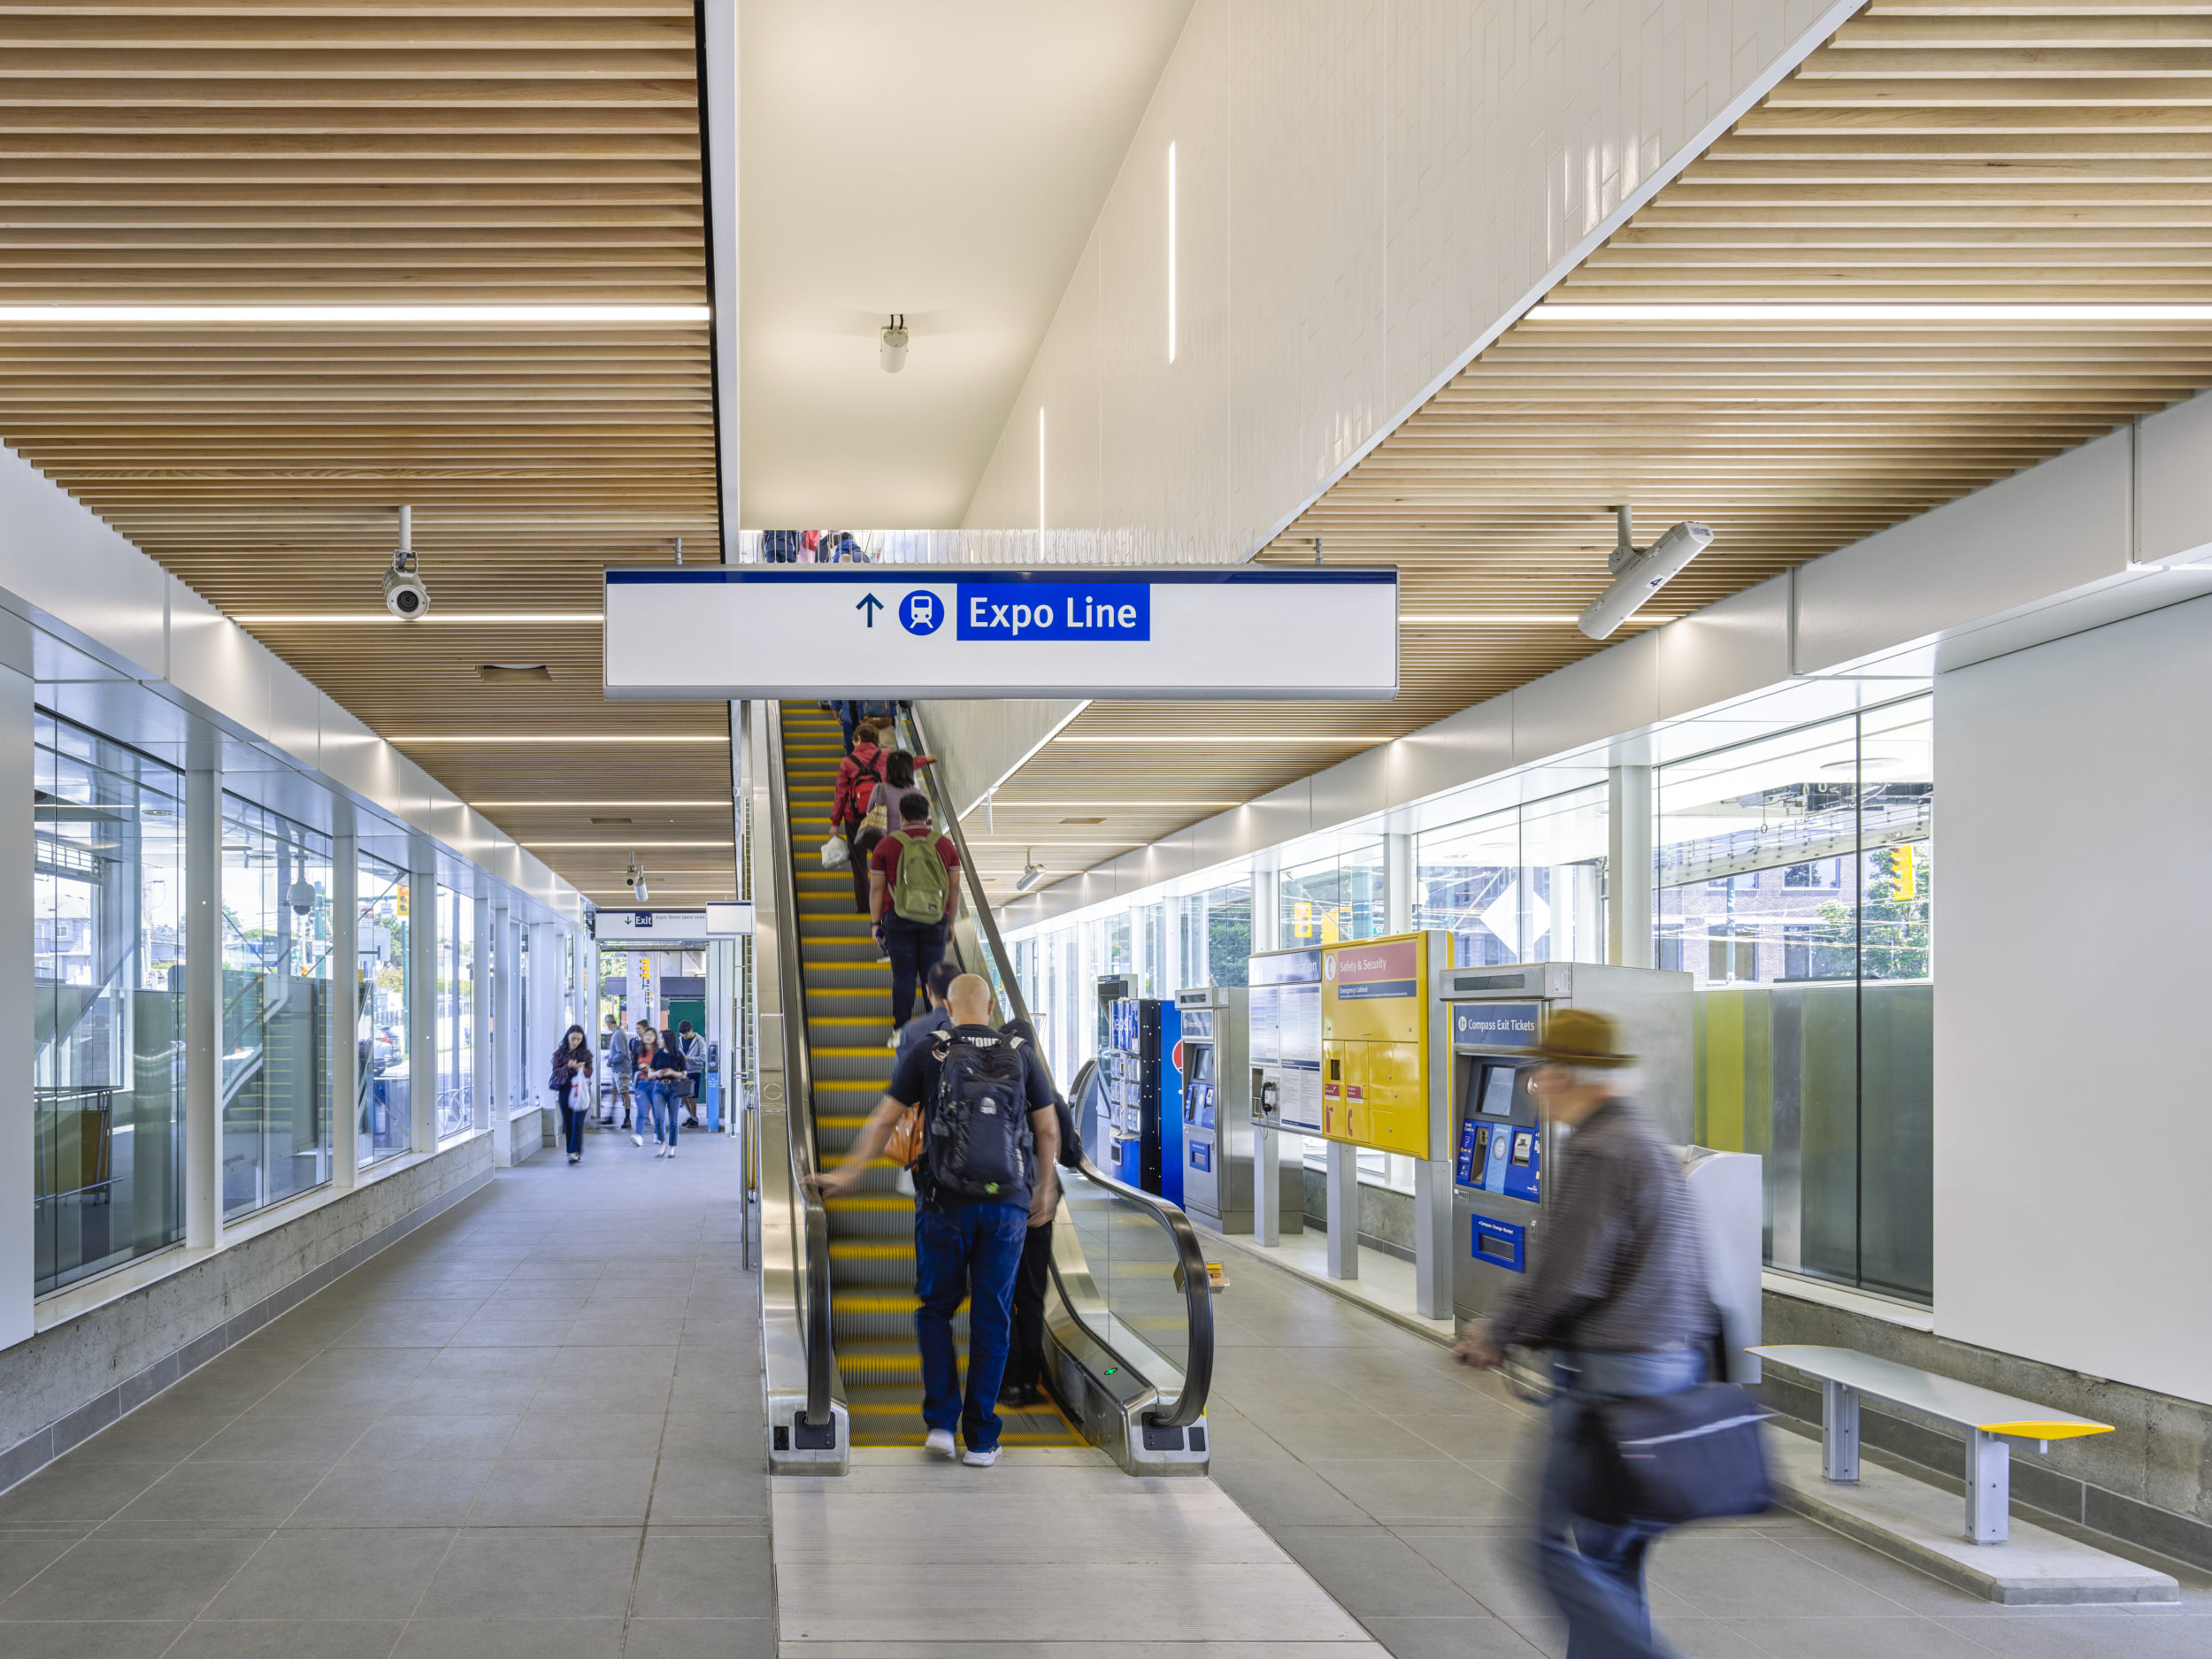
963 631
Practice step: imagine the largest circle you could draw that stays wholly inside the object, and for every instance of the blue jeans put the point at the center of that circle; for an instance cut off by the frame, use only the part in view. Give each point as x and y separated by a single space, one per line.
914 949
656 1110
1596 1572
972 1250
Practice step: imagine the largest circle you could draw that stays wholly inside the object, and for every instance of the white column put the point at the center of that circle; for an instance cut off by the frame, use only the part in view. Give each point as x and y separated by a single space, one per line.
19 1146
1628 829
345 999
1343 1203
481 992
1433 1239
422 977
1266 920
501 1069
1397 884
203 1008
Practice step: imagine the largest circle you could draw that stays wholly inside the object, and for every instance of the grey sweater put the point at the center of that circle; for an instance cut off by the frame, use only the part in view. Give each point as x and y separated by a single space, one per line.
1620 1270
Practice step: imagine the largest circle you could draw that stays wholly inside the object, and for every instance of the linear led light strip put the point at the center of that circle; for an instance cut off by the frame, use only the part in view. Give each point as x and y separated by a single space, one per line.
347 618
521 314
1515 621
535 737
1874 311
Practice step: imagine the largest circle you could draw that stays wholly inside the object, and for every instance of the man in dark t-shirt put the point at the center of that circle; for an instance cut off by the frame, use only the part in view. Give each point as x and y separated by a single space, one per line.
963 1246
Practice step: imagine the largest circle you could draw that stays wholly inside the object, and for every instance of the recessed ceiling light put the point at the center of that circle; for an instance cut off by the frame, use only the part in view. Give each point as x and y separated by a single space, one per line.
1082 820
540 737
514 670
610 820
1238 740
348 619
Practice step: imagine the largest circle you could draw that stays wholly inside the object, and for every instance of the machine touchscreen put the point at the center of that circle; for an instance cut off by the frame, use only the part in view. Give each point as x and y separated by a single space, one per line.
1497 1091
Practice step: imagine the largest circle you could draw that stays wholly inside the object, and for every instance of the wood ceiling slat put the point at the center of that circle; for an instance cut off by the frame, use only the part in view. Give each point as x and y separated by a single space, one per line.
547 151
1935 150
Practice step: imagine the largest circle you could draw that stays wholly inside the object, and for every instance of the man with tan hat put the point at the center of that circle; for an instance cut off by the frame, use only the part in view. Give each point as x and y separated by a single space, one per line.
1619 1296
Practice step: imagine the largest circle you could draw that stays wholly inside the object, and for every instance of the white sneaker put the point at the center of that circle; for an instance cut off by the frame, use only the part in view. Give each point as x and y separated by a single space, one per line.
672 1152
981 1460
940 1440
637 1141
892 1041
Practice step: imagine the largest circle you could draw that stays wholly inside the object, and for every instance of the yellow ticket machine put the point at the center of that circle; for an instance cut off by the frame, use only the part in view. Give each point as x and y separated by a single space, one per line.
1379 1082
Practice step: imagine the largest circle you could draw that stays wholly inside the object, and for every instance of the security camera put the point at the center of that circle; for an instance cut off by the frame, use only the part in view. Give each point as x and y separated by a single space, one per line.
893 355
302 896
1638 575
642 897
404 595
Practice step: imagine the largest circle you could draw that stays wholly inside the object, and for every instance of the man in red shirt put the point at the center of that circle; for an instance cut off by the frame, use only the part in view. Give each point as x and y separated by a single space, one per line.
912 913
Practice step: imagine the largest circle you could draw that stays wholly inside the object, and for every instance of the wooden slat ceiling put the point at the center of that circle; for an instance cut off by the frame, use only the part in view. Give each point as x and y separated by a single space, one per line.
1934 150
467 152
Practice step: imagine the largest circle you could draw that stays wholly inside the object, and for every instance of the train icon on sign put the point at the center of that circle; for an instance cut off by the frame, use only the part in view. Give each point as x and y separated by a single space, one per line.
921 611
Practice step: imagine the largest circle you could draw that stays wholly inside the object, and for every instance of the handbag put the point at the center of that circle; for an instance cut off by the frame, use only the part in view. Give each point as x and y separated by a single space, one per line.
1669 1458
904 1148
878 820
835 854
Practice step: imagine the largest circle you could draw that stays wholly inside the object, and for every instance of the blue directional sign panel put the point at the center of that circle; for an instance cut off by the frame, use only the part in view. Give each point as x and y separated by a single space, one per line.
964 631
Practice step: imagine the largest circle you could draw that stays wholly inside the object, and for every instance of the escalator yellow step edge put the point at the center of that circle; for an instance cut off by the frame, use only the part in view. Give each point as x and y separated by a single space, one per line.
877 1302
851 1053
868 1250
871 1202
846 1020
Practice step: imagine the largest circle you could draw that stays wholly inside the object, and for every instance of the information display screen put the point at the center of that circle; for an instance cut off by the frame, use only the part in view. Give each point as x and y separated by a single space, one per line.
1497 1092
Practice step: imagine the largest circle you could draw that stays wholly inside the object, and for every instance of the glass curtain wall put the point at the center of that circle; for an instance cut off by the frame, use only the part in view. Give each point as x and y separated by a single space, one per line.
1213 935
107 988
385 1113
1323 901
1795 878
275 1088
1526 884
457 1010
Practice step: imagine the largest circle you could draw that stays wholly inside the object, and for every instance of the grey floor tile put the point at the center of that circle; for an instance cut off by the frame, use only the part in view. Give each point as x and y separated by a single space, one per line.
702 1639
24 1555
603 1365
1275 1489
515 1330
149 1436
547 1492
283 1437
394 1365
700 1491
279 1638
521 1572
426 1328
702 1573
84 1639
353 1573
573 1433
75 1490
1414 1491
466 1396
1905 1636
427 1438
511 1639
2067 1633
1362 1434
242 1493
1370 1572
364 1492
490 1364
131 1579
1448 1638
1495 1565
1743 1576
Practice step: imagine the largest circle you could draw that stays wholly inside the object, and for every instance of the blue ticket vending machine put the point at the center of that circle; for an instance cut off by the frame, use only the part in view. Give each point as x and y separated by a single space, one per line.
1141 1106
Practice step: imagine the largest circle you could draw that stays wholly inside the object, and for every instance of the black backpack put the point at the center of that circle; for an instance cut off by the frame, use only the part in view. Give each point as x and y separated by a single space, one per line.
976 1143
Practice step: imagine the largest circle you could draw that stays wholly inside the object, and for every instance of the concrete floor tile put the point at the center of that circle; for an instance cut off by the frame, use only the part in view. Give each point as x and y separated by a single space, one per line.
148 1437
544 1492
511 1639
696 1572
24 1555
1418 1491
703 1639
572 1433
260 1437
1741 1576
1904 1636
476 1437
82 1639
693 1491
466 1396
522 1573
490 1364
2074 1633
130 1578
281 1639
354 1573
1448 1638
366 1491
514 1330
1370 1572
74 1490
242 1493
595 1362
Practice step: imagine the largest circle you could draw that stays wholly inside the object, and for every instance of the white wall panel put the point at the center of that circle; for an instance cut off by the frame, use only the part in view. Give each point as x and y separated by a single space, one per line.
1728 650
2177 454
2055 526
1617 690
1368 190
2071 1135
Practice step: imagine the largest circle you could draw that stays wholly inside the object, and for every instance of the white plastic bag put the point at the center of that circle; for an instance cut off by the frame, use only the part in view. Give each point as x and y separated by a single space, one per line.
836 855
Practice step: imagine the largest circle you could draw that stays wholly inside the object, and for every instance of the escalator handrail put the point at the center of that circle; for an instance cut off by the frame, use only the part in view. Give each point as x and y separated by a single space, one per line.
798 1063
1198 1370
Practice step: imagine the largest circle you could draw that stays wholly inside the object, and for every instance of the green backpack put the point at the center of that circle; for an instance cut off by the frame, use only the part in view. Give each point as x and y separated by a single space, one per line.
919 889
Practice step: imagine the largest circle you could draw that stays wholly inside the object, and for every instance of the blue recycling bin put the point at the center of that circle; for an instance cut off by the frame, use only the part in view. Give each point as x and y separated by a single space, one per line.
714 1104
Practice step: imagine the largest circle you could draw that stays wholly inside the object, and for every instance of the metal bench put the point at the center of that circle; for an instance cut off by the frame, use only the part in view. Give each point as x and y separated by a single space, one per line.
1986 1415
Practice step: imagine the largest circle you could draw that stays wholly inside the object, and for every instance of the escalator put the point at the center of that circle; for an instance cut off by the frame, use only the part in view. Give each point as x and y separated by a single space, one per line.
1128 1316
847 998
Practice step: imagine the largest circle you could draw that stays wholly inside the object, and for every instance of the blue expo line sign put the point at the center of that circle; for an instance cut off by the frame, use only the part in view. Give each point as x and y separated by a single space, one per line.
1060 611
1234 576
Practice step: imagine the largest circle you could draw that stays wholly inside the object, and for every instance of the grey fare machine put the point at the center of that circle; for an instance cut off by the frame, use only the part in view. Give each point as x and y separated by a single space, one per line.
1283 1051
1219 1128
1504 1153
